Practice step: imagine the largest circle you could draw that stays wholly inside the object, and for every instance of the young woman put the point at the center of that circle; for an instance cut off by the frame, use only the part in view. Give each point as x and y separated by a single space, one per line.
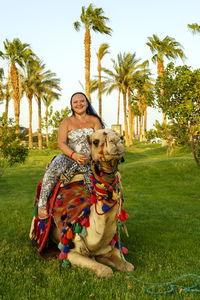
73 142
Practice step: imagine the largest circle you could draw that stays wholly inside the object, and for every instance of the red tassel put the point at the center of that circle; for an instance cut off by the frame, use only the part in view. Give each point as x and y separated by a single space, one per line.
87 224
65 241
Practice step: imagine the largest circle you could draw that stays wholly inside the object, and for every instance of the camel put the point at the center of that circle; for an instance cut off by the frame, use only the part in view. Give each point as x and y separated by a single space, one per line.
96 247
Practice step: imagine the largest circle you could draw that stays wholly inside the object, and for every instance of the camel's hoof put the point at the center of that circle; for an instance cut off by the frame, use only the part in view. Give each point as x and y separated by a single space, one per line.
104 272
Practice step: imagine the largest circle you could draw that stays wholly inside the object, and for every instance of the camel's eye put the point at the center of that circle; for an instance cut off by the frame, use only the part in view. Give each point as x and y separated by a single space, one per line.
96 142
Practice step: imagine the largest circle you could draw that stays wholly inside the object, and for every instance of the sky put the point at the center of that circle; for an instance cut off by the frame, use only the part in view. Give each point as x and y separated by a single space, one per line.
47 25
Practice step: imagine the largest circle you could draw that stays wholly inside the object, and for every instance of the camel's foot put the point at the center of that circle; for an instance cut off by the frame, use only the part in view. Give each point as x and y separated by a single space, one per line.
89 263
128 265
104 271
114 259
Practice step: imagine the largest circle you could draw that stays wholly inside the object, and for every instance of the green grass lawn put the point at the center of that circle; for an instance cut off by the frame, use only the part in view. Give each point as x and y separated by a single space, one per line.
162 197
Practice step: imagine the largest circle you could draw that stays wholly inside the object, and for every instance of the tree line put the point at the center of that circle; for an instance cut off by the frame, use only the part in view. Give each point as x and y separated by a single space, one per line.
130 76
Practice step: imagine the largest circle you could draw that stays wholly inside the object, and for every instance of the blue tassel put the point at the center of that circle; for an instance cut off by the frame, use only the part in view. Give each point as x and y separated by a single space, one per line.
42 222
65 249
86 210
64 231
105 208
95 181
117 244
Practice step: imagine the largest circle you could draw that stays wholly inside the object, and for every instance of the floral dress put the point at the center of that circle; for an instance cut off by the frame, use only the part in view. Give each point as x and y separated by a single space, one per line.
62 164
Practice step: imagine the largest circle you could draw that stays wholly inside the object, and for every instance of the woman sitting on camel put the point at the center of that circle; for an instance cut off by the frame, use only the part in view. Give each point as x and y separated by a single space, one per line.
73 142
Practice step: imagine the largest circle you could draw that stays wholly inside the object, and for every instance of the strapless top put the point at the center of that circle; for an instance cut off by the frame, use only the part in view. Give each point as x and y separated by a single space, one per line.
77 140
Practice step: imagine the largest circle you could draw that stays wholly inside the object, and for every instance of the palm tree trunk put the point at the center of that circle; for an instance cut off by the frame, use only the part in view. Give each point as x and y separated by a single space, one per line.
15 87
118 109
99 87
87 43
125 120
140 122
160 71
130 119
30 138
39 125
6 109
145 122
137 128
133 126
46 125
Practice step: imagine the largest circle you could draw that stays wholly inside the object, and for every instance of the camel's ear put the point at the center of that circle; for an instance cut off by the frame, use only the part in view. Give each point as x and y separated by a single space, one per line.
89 140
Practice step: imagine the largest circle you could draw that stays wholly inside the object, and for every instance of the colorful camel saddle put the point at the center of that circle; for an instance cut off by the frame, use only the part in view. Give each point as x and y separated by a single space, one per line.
64 206
69 203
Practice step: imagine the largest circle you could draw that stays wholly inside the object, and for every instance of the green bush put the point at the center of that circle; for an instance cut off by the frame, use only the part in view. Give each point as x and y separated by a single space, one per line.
11 148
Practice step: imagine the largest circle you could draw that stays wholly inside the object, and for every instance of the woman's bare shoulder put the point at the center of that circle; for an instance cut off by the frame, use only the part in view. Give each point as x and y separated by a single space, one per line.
66 121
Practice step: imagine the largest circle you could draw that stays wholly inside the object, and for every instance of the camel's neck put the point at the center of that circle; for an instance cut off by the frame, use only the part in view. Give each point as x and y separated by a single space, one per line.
104 172
102 228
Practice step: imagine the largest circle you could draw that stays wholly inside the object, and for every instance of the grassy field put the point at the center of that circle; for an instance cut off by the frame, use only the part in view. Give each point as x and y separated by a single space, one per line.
162 197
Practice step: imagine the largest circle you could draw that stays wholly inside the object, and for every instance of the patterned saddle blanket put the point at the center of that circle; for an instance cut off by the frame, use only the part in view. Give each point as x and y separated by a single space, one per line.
69 203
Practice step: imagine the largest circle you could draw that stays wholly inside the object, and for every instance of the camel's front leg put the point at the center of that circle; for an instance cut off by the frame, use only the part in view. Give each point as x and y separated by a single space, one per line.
86 262
113 259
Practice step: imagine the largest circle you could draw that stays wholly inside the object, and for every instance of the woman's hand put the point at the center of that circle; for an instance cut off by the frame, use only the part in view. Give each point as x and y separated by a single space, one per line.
80 158
42 213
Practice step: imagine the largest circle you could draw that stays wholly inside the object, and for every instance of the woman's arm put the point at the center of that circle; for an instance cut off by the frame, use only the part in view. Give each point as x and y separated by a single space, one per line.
62 139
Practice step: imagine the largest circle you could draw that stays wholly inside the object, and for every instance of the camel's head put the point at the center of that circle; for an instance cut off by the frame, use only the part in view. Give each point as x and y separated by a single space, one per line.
106 145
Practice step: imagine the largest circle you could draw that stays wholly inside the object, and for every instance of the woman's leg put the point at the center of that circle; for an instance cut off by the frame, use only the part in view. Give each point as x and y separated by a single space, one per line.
59 165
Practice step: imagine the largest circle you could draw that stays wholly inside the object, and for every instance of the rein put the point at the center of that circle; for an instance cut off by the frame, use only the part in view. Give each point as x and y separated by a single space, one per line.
102 192
100 214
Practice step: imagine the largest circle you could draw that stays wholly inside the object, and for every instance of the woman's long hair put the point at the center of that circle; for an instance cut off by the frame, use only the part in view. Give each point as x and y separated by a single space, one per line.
90 110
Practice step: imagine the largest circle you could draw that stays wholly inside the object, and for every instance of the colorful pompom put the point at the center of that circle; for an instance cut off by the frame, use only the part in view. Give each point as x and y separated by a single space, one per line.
42 223
105 208
83 232
112 243
66 263
71 244
77 228
93 199
60 246
69 234
65 241
62 255
124 250
65 249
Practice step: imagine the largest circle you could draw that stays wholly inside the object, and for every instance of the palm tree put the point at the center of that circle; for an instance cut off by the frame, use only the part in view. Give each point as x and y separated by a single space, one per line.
143 85
103 50
93 86
45 84
113 82
92 19
1 85
194 27
122 79
16 53
47 100
169 48
136 70
30 77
